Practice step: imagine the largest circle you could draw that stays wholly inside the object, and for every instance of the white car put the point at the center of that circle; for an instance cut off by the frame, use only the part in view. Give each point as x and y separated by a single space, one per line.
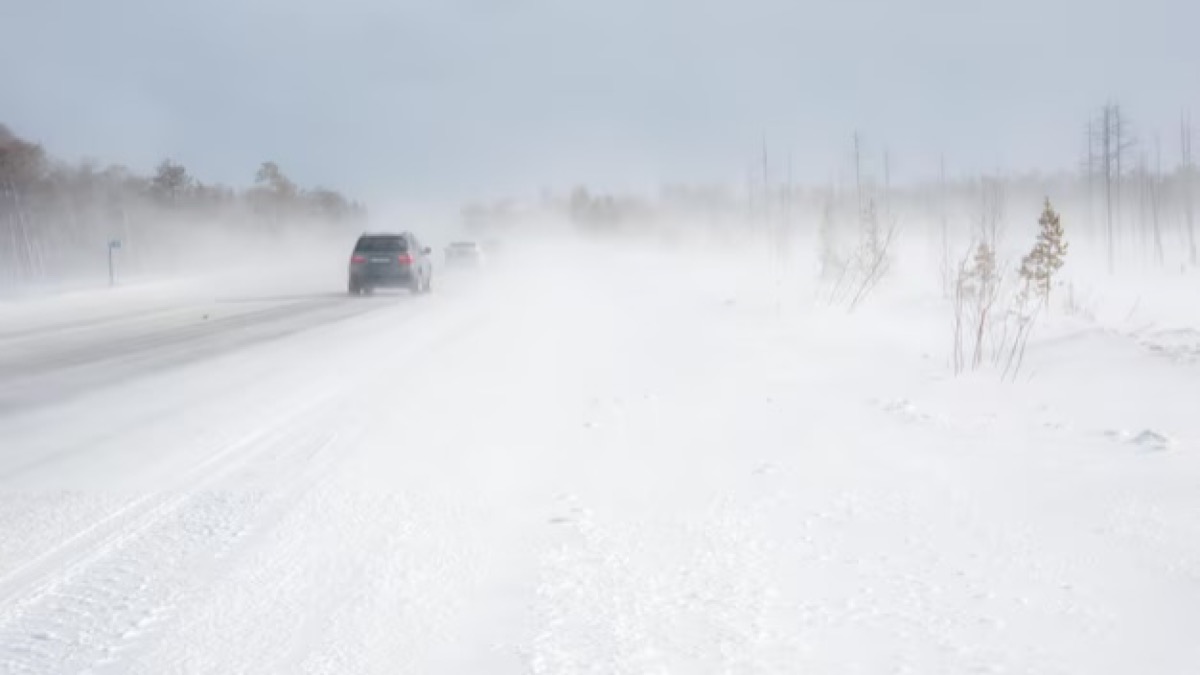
464 254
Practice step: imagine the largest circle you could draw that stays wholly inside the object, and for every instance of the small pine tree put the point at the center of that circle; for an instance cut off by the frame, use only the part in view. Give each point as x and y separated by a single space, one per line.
976 292
1047 257
985 268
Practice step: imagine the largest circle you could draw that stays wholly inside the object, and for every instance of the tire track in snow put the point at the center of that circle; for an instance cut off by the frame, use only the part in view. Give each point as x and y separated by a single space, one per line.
157 397
118 524
88 601
63 371
346 581
64 328
72 604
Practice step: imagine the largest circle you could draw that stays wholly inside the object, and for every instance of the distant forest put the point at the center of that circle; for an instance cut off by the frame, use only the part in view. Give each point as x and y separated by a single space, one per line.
57 219
1131 198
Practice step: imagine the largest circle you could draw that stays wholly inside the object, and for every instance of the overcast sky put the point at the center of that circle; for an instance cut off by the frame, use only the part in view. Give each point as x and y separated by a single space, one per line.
459 97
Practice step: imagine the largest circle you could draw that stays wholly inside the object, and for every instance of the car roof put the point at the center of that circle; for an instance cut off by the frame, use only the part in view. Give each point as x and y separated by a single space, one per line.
373 235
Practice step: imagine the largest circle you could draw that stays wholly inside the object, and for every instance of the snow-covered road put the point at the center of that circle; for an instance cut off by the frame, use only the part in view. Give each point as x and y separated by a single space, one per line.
604 463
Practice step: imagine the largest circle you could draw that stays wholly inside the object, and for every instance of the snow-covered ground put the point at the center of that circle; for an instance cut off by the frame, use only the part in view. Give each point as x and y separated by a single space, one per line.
593 460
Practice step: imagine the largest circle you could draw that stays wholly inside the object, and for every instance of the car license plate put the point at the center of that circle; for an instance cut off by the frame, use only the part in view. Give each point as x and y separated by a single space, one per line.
381 260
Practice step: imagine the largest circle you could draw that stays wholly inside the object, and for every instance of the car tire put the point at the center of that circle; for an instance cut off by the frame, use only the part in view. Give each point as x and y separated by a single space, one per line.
354 289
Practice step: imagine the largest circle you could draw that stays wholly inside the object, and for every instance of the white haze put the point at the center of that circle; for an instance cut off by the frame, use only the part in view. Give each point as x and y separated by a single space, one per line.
650 434
594 454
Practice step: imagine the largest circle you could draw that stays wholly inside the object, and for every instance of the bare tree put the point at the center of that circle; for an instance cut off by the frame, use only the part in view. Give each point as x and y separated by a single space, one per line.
1187 172
1107 163
786 231
947 269
270 176
22 166
1156 182
887 181
766 187
170 180
274 191
1113 139
963 288
991 210
987 290
1149 184
832 265
1122 143
1089 171
872 257
858 183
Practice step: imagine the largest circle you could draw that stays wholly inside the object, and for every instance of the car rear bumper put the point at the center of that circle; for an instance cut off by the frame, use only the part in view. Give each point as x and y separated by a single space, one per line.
395 278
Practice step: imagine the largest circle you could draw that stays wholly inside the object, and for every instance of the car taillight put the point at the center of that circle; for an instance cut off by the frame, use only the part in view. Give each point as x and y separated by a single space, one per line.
358 259
405 259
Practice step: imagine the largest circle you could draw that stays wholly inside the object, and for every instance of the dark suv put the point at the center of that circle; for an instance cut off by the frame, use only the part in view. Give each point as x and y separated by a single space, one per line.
390 261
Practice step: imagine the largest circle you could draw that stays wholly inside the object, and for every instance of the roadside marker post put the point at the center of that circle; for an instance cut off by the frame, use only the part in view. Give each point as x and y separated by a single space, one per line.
113 245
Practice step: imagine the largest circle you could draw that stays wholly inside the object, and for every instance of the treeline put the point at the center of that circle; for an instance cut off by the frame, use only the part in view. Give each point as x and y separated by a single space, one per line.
57 219
1147 217
1131 198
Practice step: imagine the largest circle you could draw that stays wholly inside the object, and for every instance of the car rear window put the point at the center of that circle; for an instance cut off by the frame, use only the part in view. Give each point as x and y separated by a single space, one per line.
381 245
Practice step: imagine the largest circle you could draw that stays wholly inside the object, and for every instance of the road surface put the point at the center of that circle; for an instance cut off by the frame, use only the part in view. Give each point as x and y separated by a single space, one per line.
562 469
